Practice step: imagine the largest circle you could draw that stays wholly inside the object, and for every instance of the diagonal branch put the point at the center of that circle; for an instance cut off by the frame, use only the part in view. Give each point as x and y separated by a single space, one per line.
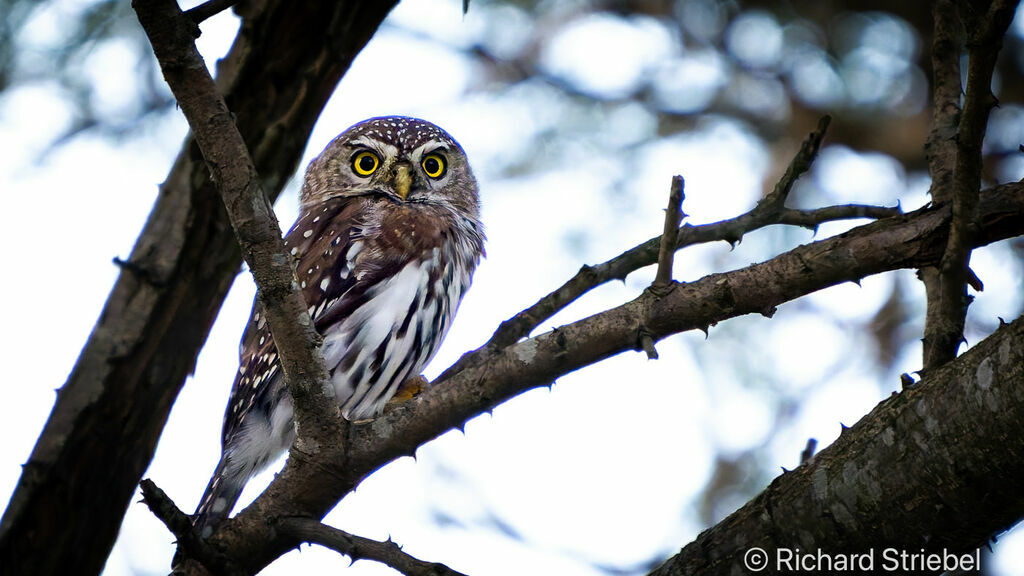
249 211
769 210
489 377
949 496
181 526
359 548
208 9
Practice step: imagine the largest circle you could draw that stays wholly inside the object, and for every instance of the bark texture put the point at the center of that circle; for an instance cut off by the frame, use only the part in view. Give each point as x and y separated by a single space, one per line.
928 468
67 508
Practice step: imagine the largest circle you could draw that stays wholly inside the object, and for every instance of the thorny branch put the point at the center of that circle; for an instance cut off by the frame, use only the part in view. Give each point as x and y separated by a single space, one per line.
181 526
359 548
249 211
957 164
770 210
846 498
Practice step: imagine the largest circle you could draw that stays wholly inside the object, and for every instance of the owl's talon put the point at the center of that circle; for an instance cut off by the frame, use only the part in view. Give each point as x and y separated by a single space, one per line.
409 390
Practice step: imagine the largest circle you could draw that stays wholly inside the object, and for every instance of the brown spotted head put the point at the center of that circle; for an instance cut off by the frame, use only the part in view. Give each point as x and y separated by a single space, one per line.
404 159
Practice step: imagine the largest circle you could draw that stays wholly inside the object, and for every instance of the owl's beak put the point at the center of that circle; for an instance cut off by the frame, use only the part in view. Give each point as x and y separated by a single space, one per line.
402 180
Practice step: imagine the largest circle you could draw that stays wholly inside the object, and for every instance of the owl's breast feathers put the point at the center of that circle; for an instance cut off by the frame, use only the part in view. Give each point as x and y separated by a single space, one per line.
347 251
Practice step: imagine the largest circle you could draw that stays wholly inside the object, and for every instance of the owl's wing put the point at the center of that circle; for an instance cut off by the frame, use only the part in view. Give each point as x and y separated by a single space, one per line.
340 260
319 240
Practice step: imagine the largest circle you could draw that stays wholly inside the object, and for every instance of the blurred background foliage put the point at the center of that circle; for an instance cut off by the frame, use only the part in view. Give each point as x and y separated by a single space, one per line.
614 87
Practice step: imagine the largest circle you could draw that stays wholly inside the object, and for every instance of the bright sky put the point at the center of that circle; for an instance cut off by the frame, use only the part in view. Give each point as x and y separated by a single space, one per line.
601 469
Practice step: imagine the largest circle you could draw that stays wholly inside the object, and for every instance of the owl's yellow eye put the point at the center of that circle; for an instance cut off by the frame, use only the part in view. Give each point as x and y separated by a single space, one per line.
365 163
434 165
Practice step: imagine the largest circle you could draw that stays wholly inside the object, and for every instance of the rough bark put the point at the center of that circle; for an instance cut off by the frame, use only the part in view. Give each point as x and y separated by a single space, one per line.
947 294
930 468
67 508
172 35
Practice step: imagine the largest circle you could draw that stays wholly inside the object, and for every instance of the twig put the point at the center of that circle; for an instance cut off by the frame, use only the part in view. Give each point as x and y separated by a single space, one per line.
768 211
359 548
181 526
800 163
673 215
208 9
250 213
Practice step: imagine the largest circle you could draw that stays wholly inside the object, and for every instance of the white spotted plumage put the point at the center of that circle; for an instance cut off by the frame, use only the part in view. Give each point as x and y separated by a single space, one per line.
383 260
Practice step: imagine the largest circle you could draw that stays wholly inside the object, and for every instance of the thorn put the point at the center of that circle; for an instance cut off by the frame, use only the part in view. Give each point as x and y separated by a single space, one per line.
857 282
906 380
784 470
844 428
1001 321
808 453
769 311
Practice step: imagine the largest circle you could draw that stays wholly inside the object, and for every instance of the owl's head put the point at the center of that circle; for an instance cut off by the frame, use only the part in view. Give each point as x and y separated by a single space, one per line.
403 159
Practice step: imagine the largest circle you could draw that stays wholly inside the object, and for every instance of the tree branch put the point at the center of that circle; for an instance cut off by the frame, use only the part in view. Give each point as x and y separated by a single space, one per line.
488 377
940 147
359 548
298 344
208 9
950 295
950 493
667 249
180 525
769 210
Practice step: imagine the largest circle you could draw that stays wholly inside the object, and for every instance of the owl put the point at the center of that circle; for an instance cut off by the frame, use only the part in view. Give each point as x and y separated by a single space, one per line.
386 242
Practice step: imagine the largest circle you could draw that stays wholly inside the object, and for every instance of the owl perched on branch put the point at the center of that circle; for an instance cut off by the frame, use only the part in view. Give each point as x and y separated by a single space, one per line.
386 242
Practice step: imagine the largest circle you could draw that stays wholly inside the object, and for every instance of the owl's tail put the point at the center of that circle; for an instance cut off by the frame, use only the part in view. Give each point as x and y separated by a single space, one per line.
219 499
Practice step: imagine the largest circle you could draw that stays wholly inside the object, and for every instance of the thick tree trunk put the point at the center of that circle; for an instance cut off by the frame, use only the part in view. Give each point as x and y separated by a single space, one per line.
67 508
